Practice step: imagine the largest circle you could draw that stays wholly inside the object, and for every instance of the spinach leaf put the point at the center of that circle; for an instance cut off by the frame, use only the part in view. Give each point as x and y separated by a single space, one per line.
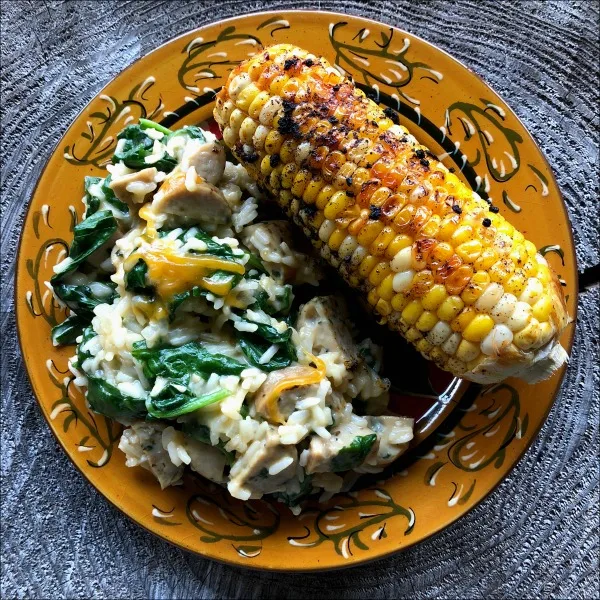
81 299
281 305
354 454
254 347
171 402
107 400
177 363
191 131
136 279
148 124
137 146
201 432
69 330
93 201
83 355
294 498
179 299
88 236
223 277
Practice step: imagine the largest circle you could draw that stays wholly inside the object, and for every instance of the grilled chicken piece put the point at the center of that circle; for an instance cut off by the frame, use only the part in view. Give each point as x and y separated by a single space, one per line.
142 445
263 469
208 158
206 460
134 187
189 195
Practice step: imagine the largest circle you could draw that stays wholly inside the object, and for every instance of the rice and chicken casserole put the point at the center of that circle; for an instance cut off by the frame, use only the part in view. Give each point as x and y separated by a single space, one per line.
182 305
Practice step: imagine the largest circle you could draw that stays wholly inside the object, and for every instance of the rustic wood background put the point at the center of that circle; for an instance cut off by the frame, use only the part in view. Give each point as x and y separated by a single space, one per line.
535 536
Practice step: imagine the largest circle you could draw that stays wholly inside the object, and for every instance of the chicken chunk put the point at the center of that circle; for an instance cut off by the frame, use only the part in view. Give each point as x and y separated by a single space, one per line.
263 469
208 158
273 242
133 188
394 434
142 445
352 442
208 461
189 195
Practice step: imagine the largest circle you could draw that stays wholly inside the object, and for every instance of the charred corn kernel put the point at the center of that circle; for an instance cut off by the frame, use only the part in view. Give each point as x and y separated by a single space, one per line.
426 321
450 308
438 275
542 309
399 302
460 322
434 297
412 312
478 328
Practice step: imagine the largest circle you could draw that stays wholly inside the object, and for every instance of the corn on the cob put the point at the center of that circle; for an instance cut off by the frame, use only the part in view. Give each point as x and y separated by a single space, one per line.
434 260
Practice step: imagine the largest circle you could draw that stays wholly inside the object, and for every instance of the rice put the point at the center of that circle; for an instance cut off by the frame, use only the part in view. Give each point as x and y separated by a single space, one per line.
217 358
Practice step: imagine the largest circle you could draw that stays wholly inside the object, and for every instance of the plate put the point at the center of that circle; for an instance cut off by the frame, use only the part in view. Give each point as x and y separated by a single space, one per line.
461 457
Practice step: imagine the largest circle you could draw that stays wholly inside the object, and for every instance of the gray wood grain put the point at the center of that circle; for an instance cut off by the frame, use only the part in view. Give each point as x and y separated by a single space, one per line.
535 536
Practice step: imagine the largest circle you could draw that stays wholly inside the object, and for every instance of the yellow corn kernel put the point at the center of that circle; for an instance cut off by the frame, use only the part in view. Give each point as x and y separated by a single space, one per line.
412 312
518 239
300 182
273 141
485 261
246 97
265 166
505 227
478 328
424 346
467 351
337 204
501 271
287 175
258 104
412 334
369 232
287 151
324 195
372 297
542 309
312 190
398 243
277 85
379 273
434 297
336 239
380 195
515 284
426 321
530 248
386 287
543 274
399 302
462 234
469 251
450 308
383 307
475 287
382 241
432 226
460 322
528 336
530 268
545 335
447 228
367 265
438 356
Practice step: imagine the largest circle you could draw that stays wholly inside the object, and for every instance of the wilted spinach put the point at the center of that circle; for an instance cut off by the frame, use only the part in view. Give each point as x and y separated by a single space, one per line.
81 299
171 402
294 498
354 454
137 146
69 330
136 279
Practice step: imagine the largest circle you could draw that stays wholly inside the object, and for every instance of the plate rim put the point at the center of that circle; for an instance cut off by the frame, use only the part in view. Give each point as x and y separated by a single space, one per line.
375 556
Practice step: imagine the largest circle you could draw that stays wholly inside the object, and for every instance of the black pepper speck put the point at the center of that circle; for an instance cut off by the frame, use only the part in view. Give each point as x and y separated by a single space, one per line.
494 209
457 209
486 222
424 162
392 115
420 153
375 212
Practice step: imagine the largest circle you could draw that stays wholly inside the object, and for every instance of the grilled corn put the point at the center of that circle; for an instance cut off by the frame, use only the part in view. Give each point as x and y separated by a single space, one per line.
433 260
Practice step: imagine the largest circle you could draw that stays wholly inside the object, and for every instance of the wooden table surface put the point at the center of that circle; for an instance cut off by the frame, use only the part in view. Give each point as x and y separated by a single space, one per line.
535 536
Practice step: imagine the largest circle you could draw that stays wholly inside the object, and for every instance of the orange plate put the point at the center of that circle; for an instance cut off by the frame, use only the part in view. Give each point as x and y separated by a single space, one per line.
449 109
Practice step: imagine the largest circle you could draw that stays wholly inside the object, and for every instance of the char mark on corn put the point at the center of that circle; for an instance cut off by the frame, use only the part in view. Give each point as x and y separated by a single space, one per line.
430 256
